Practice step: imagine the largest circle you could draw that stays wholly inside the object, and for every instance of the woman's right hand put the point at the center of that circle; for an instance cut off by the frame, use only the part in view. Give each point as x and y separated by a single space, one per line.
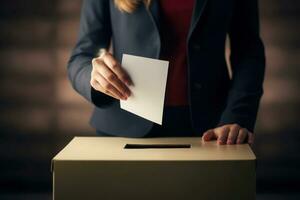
109 77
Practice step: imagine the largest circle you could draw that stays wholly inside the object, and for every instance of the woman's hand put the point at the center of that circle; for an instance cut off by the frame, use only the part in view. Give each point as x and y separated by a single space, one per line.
229 134
109 78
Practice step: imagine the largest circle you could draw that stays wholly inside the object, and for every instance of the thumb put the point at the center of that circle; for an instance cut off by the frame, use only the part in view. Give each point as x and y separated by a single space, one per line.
209 135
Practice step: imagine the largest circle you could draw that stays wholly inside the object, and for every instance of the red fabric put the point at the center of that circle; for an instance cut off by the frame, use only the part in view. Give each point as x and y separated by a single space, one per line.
176 18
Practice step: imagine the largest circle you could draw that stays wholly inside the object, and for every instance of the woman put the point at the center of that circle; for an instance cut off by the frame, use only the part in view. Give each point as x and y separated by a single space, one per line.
201 99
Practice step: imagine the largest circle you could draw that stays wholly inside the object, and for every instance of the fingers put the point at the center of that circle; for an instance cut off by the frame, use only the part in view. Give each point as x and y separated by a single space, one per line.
250 137
222 134
209 135
233 134
116 68
112 78
229 134
109 88
96 85
242 136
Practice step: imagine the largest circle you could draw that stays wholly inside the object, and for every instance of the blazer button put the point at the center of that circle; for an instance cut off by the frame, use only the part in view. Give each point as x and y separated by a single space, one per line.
196 46
197 86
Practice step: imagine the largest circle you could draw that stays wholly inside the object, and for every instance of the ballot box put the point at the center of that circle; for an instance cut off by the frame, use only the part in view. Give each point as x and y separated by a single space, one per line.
114 168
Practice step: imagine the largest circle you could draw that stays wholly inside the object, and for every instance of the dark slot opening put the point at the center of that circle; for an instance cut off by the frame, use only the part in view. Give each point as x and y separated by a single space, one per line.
156 146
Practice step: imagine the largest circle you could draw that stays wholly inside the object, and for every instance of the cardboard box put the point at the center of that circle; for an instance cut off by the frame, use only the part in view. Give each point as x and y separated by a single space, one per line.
112 168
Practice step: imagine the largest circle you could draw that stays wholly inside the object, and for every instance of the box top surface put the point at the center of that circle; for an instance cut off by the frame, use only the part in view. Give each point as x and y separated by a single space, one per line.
112 149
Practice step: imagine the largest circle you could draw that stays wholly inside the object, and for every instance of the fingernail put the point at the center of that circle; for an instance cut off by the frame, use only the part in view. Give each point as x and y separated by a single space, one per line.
229 142
128 82
125 94
131 83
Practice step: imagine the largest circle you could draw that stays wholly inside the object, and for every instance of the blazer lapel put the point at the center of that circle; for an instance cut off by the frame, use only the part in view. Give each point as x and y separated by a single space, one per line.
199 6
154 12
197 12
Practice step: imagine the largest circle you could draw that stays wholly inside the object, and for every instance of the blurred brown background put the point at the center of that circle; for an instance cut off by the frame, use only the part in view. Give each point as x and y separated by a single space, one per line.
40 112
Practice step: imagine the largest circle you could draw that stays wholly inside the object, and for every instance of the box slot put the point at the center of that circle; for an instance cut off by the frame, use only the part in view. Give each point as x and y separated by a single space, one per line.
157 146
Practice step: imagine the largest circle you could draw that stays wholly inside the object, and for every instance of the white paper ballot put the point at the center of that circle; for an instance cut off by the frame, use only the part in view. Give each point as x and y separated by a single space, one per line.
149 77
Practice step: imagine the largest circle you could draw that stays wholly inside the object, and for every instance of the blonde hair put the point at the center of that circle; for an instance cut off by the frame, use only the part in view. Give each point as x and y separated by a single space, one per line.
130 5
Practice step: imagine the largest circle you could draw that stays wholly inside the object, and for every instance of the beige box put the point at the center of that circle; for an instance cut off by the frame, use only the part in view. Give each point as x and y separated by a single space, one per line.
113 168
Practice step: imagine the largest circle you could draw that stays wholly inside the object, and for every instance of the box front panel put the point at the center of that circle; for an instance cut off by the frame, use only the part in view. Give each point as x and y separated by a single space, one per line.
149 180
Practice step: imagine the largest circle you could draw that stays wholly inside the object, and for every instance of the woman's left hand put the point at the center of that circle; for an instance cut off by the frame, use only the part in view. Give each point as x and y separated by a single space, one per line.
229 134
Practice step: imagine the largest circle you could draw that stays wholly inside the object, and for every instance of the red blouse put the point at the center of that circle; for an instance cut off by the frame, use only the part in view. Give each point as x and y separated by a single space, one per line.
176 18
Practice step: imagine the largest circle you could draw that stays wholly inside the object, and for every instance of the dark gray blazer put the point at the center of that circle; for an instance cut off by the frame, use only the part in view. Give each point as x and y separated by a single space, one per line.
214 98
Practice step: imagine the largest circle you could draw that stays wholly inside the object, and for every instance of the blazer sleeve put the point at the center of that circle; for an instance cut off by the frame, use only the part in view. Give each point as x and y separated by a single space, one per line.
247 60
94 34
